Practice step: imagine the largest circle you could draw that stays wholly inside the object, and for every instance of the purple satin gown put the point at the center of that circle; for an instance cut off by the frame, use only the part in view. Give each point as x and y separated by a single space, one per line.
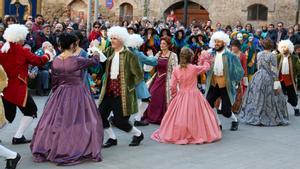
70 130
158 104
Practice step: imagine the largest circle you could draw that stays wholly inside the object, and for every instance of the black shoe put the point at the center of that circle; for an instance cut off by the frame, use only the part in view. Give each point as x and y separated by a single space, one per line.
136 140
110 142
221 128
12 163
234 126
297 113
21 140
140 123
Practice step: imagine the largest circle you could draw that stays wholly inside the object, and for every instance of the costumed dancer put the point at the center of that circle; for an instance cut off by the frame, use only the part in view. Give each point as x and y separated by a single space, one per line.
264 103
242 86
70 130
83 54
189 118
12 158
15 60
249 48
224 76
143 95
289 69
160 89
122 74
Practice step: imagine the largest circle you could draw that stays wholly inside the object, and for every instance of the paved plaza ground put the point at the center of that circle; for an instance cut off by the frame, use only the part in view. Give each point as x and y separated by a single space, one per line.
249 148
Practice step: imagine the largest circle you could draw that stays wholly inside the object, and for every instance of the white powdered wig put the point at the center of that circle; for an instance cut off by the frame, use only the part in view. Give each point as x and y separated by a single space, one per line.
219 35
135 41
14 33
286 43
120 33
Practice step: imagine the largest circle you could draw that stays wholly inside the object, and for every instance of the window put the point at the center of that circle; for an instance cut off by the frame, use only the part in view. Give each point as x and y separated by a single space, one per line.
258 12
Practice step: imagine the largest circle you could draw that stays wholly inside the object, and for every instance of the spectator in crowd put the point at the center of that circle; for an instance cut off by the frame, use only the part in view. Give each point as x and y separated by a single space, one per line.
29 18
219 27
76 23
281 32
38 23
58 30
272 34
291 35
96 33
69 29
10 20
67 22
43 75
42 36
171 18
249 28
82 26
30 36
104 41
264 32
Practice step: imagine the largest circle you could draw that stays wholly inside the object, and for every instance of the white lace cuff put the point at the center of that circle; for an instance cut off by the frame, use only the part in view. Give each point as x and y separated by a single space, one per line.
277 85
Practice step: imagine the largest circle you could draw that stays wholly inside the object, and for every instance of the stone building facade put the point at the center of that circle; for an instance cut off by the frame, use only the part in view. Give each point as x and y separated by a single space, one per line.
256 12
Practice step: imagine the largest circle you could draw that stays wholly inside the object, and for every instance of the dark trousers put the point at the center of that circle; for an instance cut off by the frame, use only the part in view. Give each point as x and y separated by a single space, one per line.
214 93
111 103
10 109
291 93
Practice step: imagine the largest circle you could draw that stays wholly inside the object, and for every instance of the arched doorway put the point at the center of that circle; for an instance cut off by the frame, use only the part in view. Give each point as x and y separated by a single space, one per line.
126 12
195 12
78 9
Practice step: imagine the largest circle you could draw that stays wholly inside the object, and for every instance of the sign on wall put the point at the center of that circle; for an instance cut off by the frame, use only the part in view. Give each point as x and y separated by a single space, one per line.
109 4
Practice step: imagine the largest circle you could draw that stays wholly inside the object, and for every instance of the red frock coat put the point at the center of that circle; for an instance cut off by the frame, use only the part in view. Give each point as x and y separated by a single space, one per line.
15 64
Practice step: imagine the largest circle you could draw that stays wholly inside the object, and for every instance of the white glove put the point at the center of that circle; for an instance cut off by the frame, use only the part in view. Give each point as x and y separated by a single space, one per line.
102 57
94 49
274 52
94 43
245 80
51 54
277 85
148 68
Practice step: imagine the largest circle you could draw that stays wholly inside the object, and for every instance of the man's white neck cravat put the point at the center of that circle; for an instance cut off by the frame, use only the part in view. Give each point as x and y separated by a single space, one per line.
285 66
115 65
219 67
